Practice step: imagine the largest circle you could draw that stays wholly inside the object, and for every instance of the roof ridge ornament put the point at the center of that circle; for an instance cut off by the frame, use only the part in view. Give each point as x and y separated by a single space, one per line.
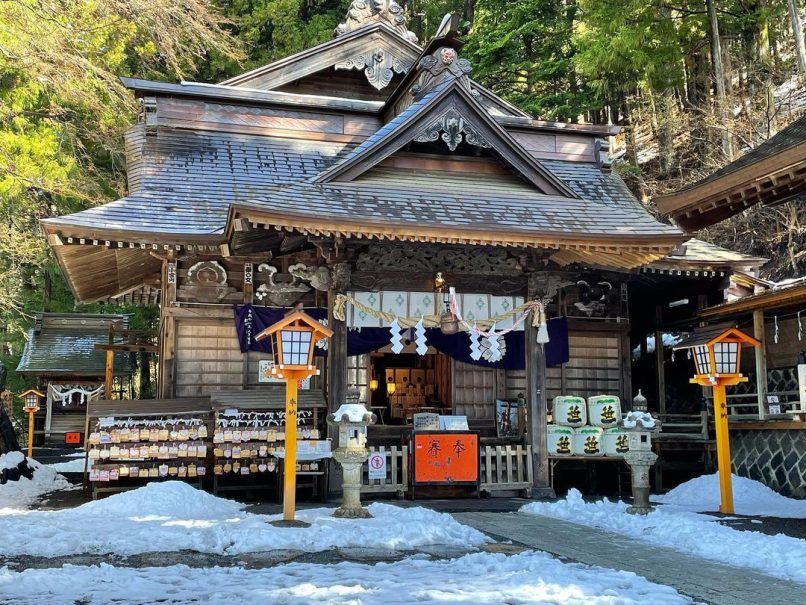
363 12
444 64
450 127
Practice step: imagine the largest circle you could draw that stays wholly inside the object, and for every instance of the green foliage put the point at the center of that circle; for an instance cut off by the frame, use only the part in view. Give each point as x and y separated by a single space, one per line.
524 50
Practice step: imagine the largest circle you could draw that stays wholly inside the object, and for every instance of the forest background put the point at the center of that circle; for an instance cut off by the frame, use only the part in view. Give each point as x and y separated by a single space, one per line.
693 83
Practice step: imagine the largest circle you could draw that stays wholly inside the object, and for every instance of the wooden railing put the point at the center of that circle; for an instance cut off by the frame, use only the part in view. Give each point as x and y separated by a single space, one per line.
683 427
506 467
397 473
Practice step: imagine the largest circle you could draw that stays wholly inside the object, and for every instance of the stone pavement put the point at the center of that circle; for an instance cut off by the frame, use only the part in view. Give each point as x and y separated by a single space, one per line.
698 578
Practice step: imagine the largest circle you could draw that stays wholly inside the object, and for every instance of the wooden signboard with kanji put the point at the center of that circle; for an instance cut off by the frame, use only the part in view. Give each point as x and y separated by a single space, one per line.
445 458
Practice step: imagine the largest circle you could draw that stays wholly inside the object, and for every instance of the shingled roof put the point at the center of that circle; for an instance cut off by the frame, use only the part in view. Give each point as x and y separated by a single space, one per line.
771 173
63 344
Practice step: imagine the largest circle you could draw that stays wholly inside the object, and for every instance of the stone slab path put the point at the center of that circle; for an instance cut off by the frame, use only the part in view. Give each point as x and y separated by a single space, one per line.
698 578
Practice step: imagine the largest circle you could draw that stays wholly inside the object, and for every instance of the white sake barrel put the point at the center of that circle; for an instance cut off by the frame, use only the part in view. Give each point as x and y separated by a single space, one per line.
560 440
588 441
604 410
570 411
615 442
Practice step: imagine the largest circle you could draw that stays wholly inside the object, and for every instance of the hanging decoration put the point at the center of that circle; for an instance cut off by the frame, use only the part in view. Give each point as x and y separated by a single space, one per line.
800 328
775 335
475 347
539 315
396 337
451 321
419 338
493 351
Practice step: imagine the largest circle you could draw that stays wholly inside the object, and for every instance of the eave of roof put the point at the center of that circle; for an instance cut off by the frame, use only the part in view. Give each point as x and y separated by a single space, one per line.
769 300
751 179
250 95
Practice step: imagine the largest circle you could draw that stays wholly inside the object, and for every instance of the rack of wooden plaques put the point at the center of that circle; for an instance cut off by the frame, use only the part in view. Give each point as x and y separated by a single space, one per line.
249 438
130 443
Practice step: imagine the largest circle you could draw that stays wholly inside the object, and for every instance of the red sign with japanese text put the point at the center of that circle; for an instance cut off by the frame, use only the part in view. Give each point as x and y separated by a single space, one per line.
446 458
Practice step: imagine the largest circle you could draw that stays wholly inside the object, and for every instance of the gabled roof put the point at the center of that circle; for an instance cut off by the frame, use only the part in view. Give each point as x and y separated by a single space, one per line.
771 173
338 51
428 119
63 344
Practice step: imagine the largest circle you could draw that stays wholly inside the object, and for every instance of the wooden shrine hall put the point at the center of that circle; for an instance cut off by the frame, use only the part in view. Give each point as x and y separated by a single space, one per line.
371 179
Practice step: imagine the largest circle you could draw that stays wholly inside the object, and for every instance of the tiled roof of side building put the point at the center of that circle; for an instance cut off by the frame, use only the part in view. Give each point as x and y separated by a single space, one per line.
69 349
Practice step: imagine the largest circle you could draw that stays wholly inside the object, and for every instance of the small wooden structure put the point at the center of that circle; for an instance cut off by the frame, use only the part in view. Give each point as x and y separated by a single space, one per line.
61 355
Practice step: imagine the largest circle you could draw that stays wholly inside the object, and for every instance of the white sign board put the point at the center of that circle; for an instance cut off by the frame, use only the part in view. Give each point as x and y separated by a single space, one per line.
377 465
426 422
775 408
264 375
453 423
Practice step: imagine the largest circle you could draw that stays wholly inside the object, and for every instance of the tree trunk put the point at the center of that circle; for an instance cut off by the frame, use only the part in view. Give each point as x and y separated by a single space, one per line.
719 79
666 120
797 31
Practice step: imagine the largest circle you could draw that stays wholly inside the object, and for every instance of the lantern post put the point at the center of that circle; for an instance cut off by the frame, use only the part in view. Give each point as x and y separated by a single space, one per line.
717 357
294 339
30 404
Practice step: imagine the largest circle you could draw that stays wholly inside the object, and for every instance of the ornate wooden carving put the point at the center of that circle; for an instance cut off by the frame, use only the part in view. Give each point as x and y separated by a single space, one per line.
283 293
451 127
318 277
206 282
448 259
444 64
340 276
362 12
379 66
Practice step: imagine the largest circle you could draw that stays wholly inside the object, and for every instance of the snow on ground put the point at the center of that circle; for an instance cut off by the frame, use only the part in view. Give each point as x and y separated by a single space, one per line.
688 532
18 495
479 578
749 498
74 465
174 516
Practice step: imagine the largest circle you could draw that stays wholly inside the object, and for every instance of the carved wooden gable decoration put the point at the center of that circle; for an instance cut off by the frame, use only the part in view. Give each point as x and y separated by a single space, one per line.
373 38
444 108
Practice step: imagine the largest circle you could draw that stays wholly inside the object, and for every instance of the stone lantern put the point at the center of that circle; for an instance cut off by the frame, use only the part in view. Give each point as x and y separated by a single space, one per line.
351 421
639 427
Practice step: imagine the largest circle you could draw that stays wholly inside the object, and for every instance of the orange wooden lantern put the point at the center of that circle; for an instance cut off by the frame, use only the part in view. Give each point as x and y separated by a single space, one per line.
717 358
294 339
31 400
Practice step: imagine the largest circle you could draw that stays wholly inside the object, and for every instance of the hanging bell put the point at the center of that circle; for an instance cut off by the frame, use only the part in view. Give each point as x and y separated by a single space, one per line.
448 322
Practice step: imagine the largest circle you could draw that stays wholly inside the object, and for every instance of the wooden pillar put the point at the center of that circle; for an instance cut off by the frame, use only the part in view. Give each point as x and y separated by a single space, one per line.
536 403
761 362
167 327
337 347
109 374
659 361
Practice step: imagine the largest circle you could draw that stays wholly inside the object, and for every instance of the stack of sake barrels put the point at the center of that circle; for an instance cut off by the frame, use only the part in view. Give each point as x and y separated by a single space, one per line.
586 428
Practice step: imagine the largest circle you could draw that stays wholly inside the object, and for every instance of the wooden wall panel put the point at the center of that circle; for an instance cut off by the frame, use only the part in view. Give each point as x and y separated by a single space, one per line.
207 358
474 391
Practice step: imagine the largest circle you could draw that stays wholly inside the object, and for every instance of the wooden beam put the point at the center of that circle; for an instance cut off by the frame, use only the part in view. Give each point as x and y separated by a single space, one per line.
170 276
761 362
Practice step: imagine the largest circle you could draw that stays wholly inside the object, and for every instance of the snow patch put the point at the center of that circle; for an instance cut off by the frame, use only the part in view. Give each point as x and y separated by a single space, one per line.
633 419
355 412
479 578
11 460
75 465
749 498
688 532
172 516
20 494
